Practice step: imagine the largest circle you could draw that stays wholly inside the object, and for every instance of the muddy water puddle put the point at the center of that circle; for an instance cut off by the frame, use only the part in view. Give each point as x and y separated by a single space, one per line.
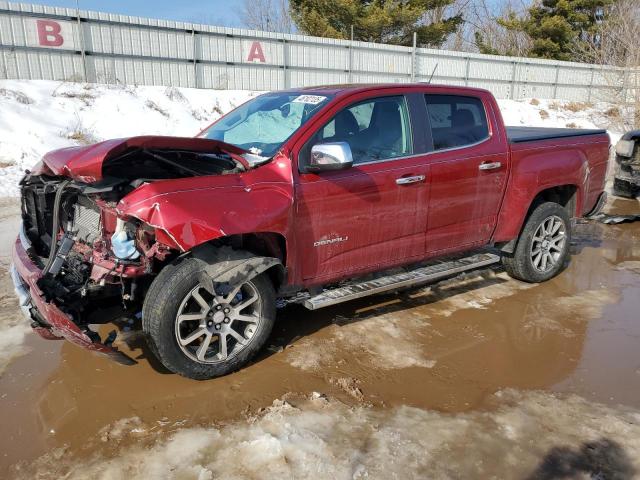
447 349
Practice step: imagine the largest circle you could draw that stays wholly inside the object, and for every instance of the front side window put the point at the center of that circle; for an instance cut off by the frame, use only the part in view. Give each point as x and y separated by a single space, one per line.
376 129
456 121
263 124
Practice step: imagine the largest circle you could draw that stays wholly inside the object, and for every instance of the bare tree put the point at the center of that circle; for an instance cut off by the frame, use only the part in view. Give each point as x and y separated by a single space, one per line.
439 13
616 43
486 31
267 15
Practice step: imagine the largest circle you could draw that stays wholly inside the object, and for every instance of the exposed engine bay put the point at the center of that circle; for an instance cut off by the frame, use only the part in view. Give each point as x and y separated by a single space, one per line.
88 255
140 165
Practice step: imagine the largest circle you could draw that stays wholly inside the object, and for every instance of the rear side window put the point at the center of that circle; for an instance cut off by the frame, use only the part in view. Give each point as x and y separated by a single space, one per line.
456 121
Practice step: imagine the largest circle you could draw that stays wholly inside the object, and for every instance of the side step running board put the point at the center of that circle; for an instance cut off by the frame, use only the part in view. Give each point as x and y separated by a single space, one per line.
419 276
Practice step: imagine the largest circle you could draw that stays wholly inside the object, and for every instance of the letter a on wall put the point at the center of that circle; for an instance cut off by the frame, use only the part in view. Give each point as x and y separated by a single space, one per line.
256 53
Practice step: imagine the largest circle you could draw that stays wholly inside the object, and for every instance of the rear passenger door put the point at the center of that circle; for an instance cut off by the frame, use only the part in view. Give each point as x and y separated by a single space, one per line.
468 171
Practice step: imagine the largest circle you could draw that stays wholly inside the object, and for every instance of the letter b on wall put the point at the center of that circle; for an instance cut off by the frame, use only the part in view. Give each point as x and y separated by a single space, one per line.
49 33
46 33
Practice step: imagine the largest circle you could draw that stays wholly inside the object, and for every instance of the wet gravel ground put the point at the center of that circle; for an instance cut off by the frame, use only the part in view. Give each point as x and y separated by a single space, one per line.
475 377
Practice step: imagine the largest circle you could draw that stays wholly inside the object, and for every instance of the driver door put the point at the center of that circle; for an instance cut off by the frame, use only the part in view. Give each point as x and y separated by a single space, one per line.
370 216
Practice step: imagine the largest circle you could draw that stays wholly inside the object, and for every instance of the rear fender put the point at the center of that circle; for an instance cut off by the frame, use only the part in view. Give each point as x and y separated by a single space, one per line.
533 172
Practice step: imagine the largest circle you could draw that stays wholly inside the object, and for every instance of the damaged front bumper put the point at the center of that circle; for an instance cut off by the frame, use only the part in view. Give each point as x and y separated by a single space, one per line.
46 318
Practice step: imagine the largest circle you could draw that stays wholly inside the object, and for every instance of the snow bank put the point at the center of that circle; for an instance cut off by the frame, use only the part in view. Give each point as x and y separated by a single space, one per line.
521 435
558 114
38 116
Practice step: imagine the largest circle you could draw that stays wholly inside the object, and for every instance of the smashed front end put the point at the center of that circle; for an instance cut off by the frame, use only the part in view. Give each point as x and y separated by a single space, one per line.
77 256
74 258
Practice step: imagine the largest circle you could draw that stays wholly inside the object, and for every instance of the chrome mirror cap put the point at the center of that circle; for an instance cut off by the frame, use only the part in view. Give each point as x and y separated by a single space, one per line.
330 156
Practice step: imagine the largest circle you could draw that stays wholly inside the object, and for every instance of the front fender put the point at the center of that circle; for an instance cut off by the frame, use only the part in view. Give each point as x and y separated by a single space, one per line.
192 211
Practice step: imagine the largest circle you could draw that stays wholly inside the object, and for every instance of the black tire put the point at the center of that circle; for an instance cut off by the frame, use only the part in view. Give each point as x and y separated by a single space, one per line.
170 291
521 264
624 189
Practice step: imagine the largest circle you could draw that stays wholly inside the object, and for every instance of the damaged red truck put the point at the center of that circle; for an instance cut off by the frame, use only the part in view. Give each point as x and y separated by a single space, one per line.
314 196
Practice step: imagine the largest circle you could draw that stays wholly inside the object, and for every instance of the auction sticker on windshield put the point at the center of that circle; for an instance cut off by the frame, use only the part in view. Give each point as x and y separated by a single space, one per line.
309 99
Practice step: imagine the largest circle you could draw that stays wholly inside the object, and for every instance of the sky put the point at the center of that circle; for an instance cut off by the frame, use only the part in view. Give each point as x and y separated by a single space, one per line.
216 12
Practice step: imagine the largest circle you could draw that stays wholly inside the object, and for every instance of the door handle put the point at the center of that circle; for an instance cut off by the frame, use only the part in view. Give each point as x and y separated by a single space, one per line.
409 180
490 165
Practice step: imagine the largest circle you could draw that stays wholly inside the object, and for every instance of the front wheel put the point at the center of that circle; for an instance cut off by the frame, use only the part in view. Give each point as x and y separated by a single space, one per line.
543 245
201 334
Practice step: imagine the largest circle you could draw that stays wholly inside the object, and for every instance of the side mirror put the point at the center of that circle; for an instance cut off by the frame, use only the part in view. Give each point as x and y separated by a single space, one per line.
330 156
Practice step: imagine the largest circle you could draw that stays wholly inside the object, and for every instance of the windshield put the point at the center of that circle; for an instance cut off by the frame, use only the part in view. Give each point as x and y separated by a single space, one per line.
263 124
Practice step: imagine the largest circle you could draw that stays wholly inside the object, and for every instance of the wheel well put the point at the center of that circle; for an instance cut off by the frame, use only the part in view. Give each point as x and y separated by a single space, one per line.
264 244
564 195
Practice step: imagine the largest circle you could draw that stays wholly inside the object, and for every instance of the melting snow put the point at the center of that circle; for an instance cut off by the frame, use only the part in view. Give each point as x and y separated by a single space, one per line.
39 116
521 435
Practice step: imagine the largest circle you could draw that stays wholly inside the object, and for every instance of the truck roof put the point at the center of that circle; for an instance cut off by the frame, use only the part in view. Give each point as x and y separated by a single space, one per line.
349 88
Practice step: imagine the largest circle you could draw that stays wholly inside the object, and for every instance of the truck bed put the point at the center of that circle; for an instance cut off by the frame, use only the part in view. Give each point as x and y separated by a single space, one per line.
530 134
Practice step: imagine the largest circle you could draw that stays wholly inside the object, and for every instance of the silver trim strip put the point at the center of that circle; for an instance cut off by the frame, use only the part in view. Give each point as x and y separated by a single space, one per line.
24 240
24 297
22 292
432 152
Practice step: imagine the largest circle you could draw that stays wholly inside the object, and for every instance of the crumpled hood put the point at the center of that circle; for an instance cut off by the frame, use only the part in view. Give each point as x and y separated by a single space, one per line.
85 163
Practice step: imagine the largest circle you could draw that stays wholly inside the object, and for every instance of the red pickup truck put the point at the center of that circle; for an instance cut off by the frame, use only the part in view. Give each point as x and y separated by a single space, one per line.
315 195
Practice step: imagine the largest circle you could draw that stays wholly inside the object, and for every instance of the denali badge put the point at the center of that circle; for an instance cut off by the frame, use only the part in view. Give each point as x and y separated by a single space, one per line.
329 241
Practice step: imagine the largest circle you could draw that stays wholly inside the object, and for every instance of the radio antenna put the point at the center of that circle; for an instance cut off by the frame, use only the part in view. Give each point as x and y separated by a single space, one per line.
433 73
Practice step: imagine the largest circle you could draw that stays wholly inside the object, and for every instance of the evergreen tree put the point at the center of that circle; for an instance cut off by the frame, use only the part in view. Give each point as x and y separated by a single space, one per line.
382 21
559 28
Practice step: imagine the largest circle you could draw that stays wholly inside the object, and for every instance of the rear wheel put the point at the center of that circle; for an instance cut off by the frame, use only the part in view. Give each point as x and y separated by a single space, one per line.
543 245
201 334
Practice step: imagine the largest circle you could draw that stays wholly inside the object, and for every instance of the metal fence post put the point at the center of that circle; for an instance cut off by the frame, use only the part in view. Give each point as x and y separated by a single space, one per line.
625 85
4 72
513 80
285 53
195 56
82 46
467 70
413 57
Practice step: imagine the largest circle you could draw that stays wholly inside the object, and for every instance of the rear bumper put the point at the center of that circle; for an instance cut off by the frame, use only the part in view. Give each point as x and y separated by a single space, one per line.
46 318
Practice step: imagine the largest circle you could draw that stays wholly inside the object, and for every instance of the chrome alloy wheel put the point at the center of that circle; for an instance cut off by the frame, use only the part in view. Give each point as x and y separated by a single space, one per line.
548 244
213 328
